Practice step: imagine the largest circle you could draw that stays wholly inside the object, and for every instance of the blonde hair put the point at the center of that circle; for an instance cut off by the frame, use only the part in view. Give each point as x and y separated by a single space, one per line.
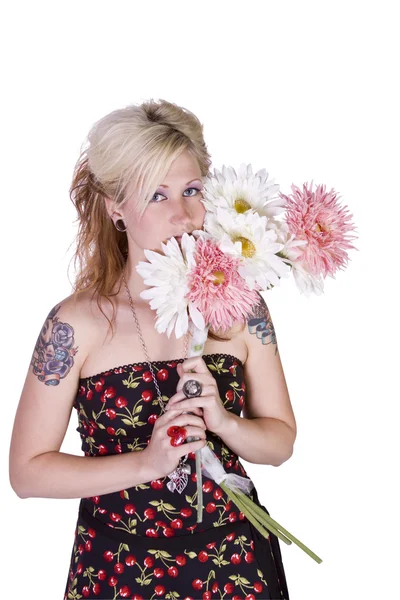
131 147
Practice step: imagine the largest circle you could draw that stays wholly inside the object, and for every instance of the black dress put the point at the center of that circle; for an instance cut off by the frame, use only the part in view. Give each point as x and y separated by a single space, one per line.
144 542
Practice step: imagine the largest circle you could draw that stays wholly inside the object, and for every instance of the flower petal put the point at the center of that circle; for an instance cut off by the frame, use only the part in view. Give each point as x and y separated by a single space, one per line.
196 316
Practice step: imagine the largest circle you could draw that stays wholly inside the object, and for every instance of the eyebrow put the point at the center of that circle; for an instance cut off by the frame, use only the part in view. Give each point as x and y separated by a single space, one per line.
191 181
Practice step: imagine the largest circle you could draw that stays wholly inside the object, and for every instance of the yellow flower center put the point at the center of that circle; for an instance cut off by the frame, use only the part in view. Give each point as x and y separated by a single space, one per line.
248 248
219 277
241 205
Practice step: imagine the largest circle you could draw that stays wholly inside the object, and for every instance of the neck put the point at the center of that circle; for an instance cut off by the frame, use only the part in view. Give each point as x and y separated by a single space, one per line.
185 338
134 281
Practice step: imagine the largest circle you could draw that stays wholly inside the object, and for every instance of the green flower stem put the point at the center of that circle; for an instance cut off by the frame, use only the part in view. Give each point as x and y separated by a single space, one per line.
265 518
238 499
199 479
242 507
262 516
272 521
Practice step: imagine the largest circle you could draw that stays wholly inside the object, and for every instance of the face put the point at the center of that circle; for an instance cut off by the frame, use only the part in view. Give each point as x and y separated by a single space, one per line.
175 208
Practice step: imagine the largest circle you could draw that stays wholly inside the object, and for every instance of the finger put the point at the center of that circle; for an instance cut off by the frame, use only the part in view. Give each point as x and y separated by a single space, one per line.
195 364
179 395
193 446
193 430
204 380
183 420
192 434
196 411
176 410
190 430
189 404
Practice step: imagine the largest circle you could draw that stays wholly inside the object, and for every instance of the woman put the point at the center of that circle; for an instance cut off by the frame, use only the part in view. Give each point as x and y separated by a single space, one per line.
138 183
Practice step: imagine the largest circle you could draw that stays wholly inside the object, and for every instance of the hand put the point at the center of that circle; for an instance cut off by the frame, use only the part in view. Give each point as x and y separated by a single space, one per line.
160 455
215 414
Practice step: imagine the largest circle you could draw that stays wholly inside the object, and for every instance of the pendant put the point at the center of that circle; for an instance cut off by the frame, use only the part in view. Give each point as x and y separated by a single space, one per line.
179 479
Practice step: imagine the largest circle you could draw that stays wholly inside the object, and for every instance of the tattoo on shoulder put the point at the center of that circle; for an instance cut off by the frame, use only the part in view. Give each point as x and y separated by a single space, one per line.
260 324
54 352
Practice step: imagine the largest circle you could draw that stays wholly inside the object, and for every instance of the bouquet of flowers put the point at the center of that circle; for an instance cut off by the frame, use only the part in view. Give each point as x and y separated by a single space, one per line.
213 279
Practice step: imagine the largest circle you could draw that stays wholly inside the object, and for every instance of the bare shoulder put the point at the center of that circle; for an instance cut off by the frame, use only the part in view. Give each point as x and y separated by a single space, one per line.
230 342
246 339
65 338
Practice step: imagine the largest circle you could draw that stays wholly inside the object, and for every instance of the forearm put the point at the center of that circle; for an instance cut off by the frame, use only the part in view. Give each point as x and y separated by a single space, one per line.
62 475
262 440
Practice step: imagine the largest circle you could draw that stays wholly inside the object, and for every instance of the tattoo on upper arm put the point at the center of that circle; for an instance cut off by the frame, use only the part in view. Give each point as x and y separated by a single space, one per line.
260 324
54 352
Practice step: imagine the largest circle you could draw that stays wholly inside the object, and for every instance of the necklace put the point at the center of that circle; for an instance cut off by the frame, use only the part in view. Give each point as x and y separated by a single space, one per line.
180 477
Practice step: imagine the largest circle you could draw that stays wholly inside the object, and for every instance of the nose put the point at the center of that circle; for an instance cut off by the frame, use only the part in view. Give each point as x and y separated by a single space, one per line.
182 214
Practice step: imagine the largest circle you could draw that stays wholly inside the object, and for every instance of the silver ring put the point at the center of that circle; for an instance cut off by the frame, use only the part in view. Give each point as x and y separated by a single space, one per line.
192 388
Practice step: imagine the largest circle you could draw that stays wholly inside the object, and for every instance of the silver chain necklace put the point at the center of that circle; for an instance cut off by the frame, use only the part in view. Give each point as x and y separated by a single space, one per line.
180 477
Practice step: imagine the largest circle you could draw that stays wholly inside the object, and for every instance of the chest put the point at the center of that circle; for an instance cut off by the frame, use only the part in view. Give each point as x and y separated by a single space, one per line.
106 350
123 400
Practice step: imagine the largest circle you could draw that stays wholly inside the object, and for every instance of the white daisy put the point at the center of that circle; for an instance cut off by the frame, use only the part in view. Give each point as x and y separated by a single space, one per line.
243 191
246 236
167 274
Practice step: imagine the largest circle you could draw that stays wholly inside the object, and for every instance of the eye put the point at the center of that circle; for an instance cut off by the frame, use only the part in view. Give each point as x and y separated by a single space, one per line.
196 191
156 194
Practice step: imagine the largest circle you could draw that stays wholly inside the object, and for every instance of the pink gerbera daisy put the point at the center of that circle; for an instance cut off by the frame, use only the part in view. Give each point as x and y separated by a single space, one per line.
317 218
217 289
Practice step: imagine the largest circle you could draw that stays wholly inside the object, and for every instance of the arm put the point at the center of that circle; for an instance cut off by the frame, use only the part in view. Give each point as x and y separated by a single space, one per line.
55 474
267 431
37 468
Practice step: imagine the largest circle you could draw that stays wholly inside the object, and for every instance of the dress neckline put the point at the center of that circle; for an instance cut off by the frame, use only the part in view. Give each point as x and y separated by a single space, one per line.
114 370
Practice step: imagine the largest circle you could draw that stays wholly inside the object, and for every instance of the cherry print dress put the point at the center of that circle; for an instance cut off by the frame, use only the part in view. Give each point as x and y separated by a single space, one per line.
144 542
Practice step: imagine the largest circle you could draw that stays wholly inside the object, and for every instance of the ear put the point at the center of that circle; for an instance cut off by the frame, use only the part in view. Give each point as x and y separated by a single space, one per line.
110 206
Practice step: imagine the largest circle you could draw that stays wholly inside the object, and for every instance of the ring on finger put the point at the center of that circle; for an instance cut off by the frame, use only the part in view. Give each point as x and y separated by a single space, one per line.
192 388
177 434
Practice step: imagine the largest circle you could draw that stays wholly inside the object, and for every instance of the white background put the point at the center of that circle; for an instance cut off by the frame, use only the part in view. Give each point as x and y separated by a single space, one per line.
307 90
